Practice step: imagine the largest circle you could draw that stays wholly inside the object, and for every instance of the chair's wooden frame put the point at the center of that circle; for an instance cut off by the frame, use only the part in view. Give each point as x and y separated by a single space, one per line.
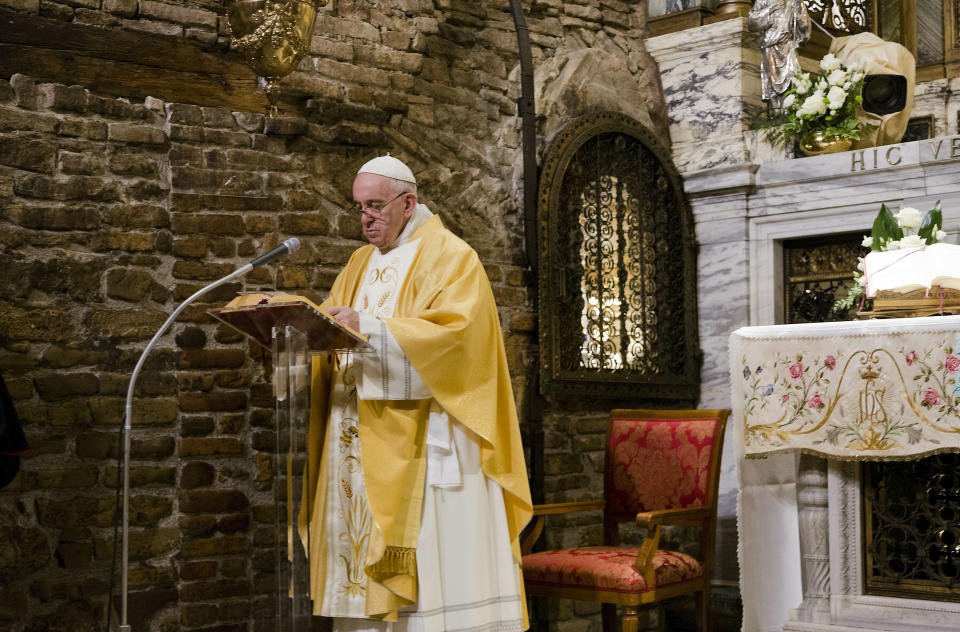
705 517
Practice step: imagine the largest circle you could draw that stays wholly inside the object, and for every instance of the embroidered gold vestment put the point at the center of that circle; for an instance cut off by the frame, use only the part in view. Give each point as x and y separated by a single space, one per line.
446 322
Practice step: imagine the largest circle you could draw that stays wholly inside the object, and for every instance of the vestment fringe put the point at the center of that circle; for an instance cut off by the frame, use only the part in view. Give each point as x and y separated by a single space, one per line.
397 560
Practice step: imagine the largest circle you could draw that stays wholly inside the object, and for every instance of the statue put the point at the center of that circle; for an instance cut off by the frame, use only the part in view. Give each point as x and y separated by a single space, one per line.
781 26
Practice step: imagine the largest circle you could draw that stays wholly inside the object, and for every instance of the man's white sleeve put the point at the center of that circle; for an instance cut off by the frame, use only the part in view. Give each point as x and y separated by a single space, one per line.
386 373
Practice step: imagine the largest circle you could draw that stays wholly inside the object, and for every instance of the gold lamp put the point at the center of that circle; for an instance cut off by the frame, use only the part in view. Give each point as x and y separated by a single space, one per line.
272 36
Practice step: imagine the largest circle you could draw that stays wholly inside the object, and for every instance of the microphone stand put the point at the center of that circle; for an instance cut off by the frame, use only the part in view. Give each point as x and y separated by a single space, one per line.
288 246
128 415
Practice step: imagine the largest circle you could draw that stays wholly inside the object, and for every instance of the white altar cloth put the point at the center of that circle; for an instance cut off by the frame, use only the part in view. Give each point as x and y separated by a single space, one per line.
857 390
912 411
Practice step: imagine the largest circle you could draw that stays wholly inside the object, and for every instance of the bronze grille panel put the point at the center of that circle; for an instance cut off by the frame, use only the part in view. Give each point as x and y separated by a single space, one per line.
817 272
620 261
912 517
618 310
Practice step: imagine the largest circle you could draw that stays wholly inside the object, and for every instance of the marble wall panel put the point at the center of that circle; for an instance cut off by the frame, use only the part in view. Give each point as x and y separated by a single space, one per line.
868 190
715 393
942 185
705 74
722 149
715 375
718 181
721 231
722 290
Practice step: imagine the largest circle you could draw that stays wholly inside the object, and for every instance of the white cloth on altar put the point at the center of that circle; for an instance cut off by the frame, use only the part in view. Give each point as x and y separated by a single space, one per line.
767 512
467 577
768 530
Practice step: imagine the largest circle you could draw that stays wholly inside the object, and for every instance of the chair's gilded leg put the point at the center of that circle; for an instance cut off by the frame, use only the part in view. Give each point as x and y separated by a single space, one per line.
608 612
629 621
703 610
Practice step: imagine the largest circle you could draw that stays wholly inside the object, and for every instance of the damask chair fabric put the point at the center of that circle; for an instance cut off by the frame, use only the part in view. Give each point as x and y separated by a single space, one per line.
661 467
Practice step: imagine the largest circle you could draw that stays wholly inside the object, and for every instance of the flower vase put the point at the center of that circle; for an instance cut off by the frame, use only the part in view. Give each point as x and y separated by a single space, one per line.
816 143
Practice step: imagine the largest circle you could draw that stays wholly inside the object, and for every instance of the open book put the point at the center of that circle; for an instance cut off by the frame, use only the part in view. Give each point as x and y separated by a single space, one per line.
910 269
256 315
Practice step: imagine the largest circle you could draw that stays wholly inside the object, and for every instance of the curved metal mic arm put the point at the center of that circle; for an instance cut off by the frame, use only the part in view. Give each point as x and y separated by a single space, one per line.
128 415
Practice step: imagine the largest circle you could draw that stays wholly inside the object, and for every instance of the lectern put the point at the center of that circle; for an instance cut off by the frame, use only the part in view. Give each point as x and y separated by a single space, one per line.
293 329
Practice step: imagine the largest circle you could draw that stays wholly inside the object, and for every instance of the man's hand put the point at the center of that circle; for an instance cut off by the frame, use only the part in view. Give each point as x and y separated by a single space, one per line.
345 315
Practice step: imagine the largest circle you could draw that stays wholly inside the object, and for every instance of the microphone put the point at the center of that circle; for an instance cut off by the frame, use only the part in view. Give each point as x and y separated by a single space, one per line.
290 245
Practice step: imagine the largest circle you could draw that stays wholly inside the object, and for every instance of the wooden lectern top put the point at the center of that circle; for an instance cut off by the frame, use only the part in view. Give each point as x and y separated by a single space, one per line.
256 315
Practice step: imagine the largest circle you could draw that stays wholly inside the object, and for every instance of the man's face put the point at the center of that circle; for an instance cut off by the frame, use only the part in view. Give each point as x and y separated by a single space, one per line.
385 213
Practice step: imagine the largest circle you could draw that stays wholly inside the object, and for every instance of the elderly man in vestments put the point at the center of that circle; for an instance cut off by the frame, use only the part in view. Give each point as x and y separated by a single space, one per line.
416 488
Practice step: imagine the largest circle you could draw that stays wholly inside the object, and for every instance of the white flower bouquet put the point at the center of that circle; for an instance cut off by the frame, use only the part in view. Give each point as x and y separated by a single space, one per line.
825 103
909 228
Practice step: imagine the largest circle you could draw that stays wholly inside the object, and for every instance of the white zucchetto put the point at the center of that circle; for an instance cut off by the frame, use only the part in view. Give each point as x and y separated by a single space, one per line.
390 167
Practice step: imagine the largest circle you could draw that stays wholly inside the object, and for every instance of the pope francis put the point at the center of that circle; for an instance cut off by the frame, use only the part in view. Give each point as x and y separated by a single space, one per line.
416 488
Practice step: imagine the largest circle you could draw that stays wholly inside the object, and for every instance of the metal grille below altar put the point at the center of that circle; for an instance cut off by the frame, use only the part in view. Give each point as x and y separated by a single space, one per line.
912 516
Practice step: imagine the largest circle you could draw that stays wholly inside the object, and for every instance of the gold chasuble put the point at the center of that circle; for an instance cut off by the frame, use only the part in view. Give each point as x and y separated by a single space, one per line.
446 322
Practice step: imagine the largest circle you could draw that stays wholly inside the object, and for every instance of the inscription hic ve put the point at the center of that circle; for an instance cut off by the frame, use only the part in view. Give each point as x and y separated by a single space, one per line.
891 156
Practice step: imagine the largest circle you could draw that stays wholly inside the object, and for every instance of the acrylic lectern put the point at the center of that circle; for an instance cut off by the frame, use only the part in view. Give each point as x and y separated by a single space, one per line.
293 329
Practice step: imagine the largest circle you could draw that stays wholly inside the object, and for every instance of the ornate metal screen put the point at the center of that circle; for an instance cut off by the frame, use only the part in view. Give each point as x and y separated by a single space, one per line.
843 17
817 272
617 266
912 511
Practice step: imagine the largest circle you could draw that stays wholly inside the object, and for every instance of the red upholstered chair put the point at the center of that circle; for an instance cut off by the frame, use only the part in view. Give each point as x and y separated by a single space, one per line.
661 468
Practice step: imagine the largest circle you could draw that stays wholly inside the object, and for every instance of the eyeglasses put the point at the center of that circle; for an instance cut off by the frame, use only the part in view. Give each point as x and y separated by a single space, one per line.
374 211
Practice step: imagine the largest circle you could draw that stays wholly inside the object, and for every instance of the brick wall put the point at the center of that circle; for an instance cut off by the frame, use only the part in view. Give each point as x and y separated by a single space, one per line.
114 210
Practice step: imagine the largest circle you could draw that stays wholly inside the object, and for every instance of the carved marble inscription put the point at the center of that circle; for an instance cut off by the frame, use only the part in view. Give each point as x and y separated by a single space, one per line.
892 155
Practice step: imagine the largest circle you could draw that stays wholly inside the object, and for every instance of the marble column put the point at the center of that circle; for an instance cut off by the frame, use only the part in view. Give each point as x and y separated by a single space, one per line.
812 501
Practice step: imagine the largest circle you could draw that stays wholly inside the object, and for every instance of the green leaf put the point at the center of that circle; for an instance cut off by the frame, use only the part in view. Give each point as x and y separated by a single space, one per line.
885 228
932 222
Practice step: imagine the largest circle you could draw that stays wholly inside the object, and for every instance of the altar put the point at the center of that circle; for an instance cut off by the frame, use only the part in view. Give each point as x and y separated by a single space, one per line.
809 403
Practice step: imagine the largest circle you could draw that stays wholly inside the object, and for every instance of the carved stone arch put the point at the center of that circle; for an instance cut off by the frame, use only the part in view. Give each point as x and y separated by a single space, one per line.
617 253
577 82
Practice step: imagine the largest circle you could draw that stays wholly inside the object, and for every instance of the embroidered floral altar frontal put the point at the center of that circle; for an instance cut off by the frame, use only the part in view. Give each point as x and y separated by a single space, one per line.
877 389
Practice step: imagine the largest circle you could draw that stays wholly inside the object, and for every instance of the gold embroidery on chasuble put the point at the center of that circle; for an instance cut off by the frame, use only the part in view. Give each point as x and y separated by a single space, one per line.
349 521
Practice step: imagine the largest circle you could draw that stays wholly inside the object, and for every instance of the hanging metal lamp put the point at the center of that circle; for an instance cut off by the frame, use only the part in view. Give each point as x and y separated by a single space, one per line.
272 36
